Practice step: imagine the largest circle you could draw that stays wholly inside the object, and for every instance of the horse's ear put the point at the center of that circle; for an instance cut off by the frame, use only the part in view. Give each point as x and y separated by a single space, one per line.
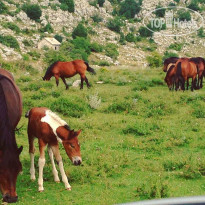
77 133
74 134
20 150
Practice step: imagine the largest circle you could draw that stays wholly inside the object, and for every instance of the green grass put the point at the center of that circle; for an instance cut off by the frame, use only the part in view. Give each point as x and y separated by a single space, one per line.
142 142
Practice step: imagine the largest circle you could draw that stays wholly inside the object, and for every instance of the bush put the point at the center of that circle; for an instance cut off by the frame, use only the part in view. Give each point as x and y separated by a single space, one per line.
111 50
33 11
28 43
35 55
12 26
3 8
122 39
115 24
176 46
194 5
67 5
184 15
144 32
119 107
96 18
129 8
101 2
160 12
9 41
130 37
155 60
95 47
201 33
169 54
59 38
48 28
79 31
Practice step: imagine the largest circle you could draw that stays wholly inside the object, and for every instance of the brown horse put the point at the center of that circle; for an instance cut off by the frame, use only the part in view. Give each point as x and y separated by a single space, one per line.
200 62
51 129
168 62
170 77
185 69
10 114
68 69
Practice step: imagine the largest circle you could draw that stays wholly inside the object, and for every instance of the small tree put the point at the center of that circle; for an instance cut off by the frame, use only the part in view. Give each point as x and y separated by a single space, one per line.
130 37
80 31
115 24
58 38
160 11
33 11
144 32
194 5
3 8
184 15
101 2
67 5
129 8
155 60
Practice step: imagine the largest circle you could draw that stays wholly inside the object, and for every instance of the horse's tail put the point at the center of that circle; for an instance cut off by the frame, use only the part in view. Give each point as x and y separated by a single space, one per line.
89 69
48 71
179 70
27 114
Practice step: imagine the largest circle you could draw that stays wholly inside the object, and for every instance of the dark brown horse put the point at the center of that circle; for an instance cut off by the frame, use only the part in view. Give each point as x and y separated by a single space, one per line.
185 69
10 114
64 70
200 62
170 77
168 62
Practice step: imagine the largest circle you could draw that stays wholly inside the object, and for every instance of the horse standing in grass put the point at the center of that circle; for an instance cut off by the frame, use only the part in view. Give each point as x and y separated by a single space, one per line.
200 62
10 114
51 129
170 77
68 69
169 62
185 69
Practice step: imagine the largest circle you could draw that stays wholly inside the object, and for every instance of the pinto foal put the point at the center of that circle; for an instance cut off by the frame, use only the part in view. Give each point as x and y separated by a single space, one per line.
51 129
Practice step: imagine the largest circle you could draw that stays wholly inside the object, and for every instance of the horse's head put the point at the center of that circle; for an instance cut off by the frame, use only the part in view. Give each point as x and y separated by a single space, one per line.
169 82
72 147
46 78
10 167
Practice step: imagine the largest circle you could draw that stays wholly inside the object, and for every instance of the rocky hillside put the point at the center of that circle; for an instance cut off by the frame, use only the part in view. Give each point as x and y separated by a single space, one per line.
131 52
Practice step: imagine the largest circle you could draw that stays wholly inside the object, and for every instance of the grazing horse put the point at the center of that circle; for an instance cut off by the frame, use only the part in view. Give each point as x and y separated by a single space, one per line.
170 77
185 69
10 114
64 70
200 62
168 62
51 129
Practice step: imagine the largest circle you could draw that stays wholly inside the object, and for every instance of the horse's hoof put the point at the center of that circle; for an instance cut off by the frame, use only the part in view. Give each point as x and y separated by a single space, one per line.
57 182
68 189
41 190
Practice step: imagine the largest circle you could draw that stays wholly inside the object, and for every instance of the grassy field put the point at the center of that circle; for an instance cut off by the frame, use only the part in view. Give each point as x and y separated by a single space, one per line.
141 141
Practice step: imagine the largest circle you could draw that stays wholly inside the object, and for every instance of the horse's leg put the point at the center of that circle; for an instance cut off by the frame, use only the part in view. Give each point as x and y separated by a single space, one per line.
81 85
192 84
187 84
57 79
41 163
86 80
31 152
66 85
55 172
58 157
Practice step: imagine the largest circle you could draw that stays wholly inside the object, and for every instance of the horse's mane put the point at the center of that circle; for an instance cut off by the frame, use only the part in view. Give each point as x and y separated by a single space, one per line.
171 60
8 144
170 69
197 60
49 69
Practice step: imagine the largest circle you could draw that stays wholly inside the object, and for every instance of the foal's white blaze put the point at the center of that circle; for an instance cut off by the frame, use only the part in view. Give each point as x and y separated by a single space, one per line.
54 121
76 159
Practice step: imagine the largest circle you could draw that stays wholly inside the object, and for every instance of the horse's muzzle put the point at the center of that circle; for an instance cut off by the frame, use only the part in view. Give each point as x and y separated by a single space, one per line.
77 161
10 199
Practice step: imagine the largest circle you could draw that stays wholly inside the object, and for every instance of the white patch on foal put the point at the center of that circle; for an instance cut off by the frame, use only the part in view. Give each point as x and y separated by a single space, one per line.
54 121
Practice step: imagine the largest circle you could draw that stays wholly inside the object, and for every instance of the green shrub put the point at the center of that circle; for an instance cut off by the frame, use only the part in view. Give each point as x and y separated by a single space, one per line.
80 31
130 37
176 46
103 63
115 24
122 39
28 43
96 18
111 50
201 33
95 47
160 11
12 26
47 28
72 107
144 32
24 79
169 54
119 107
59 38
34 54
67 5
33 11
52 56
184 15
129 8
3 8
101 2
194 5
155 60
9 41
82 43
